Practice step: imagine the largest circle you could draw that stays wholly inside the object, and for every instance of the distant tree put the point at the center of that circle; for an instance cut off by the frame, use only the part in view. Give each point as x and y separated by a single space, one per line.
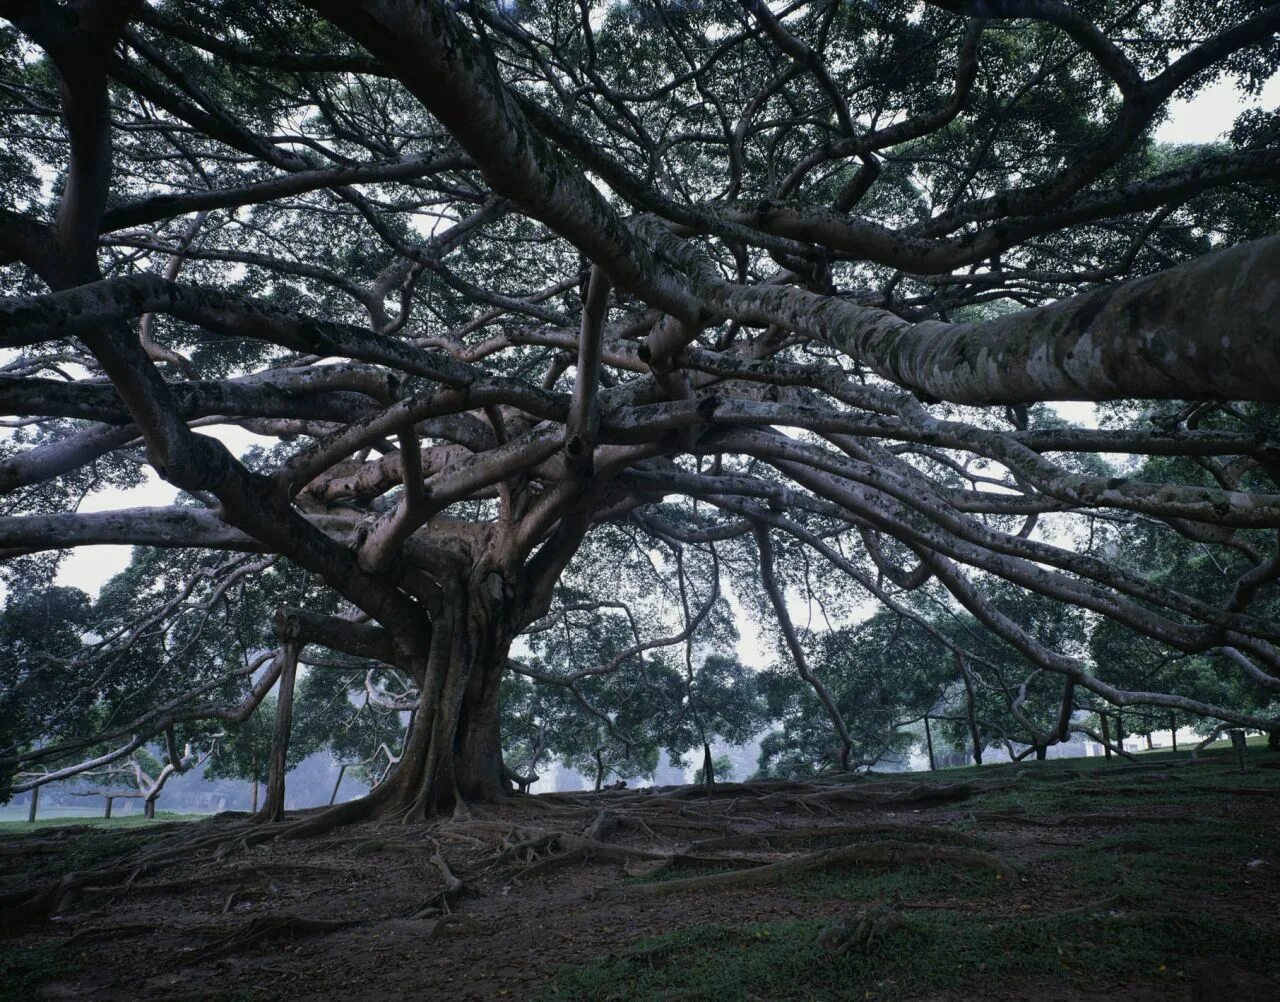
43 699
1216 671
723 704
142 776
245 752
614 724
324 715
1016 700
722 771
360 712
601 703
882 674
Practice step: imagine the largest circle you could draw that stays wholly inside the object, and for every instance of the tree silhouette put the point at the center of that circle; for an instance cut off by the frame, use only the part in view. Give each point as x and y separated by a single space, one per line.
526 296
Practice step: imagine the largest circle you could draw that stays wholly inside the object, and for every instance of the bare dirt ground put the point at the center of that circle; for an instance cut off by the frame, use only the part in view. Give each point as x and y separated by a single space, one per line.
752 893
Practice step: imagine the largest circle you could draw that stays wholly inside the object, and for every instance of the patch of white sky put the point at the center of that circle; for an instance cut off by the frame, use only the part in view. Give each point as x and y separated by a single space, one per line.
1204 118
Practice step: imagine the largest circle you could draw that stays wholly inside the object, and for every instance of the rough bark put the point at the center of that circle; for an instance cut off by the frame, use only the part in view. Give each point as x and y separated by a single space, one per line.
453 752
278 762
685 363
970 714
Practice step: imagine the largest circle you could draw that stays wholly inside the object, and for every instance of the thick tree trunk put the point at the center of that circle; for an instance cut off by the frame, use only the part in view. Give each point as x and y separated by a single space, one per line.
1173 731
1042 752
453 753
1106 735
253 806
477 746
928 737
35 805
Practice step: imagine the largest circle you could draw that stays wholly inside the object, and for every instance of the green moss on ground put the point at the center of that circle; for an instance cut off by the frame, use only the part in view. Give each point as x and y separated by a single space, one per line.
127 821
1145 899
931 952
84 843
24 969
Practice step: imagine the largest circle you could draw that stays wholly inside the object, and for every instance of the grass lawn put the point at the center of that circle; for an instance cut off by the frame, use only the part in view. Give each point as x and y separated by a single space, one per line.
1147 899
1253 741
1112 880
128 821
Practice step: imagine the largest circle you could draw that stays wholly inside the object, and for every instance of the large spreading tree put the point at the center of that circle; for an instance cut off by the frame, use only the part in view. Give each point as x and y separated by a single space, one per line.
587 314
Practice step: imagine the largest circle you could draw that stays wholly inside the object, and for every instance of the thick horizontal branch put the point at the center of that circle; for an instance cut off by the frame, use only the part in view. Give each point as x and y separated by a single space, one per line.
139 526
161 207
1201 331
361 640
33 396
181 527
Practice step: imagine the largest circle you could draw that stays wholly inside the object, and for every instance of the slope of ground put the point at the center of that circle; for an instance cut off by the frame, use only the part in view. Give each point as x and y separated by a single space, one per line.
1072 879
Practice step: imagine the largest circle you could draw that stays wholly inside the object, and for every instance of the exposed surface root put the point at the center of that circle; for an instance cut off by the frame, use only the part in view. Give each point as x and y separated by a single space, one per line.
452 885
863 930
218 877
569 829
345 908
765 839
261 930
104 933
883 853
454 921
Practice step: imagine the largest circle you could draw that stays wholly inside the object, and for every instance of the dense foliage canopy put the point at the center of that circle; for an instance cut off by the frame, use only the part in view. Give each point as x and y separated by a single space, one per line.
571 332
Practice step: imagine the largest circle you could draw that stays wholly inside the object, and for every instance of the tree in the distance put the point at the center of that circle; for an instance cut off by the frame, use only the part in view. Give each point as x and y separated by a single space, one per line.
245 752
722 771
883 675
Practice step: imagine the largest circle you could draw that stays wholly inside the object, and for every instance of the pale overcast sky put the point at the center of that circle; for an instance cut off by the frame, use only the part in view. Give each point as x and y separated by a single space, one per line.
1213 112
